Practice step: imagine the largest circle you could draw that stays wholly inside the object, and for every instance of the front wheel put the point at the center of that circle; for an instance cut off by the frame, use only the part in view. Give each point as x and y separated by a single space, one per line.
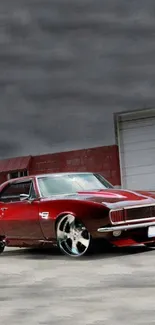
72 236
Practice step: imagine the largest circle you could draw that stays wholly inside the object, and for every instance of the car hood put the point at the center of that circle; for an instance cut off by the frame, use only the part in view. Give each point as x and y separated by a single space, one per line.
114 198
111 198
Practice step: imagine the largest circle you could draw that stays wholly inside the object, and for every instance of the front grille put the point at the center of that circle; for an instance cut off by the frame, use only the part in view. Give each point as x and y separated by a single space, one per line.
117 216
140 213
130 214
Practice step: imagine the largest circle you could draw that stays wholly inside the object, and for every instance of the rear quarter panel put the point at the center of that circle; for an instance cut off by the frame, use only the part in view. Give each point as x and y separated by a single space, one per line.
93 215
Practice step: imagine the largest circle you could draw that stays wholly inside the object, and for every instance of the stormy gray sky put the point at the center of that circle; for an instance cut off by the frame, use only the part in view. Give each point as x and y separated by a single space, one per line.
66 66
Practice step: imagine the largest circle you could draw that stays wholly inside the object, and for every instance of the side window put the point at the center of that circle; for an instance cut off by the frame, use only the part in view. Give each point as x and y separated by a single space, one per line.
11 193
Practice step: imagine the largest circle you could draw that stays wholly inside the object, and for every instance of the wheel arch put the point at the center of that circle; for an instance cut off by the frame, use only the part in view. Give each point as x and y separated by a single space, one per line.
65 213
95 217
61 215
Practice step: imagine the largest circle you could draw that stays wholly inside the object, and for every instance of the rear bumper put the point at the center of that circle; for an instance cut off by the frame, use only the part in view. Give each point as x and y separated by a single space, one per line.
125 227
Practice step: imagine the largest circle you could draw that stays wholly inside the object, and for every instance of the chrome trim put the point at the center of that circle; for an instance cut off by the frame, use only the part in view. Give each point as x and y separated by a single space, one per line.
3 209
45 241
37 183
132 221
139 206
129 208
126 227
44 215
115 210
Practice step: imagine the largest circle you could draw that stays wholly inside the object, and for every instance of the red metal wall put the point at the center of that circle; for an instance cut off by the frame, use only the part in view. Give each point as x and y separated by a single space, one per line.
3 178
104 160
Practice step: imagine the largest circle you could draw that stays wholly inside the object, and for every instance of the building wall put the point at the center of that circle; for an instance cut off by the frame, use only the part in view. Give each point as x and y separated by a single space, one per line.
3 177
66 66
103 160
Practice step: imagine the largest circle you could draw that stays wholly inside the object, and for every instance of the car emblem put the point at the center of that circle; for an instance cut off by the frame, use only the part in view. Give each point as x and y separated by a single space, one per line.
44 215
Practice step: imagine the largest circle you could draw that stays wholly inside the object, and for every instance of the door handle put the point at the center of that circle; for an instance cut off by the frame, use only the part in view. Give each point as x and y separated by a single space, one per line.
3 209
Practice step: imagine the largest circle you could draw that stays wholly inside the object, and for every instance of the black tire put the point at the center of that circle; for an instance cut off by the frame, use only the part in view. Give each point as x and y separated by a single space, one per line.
2 247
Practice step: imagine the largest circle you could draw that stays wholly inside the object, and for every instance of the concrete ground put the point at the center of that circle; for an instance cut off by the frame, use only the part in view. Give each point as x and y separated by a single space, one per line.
112 288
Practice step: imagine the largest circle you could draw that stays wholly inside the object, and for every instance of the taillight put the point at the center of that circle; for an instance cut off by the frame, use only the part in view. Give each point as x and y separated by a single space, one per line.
116 216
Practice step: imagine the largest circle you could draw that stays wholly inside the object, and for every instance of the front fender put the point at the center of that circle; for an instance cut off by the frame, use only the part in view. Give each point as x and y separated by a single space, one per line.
92 215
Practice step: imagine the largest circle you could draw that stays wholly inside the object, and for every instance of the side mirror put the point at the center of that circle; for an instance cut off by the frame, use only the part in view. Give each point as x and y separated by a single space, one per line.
24 197
30 199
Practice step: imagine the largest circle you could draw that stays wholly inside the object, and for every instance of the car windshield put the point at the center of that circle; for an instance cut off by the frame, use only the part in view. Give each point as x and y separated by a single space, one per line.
60 184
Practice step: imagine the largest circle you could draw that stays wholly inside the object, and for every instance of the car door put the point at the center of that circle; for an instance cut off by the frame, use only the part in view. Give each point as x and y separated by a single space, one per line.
20 218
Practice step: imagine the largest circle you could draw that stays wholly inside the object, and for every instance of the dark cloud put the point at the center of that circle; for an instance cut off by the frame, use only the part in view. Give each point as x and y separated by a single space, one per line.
66 66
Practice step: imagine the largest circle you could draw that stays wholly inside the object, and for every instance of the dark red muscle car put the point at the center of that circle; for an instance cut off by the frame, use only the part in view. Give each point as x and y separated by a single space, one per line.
71 210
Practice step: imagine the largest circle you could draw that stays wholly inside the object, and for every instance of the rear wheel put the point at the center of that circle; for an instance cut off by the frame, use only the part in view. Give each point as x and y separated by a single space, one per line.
2 246
72 236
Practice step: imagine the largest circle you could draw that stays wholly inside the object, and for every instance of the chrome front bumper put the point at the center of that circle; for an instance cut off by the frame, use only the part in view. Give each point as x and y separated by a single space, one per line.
126 227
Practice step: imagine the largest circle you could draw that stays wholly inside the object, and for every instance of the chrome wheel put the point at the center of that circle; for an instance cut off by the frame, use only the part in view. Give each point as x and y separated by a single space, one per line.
72 237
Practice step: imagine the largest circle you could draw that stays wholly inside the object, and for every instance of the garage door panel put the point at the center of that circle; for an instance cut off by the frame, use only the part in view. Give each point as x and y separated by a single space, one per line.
138 135
137 153
138 159
141 123
141 145
141 170
145 182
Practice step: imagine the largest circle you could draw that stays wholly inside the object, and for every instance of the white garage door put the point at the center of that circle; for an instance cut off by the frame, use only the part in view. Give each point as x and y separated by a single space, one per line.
137 152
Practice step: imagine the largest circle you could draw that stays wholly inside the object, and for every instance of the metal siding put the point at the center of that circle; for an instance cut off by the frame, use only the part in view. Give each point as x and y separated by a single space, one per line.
137 153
